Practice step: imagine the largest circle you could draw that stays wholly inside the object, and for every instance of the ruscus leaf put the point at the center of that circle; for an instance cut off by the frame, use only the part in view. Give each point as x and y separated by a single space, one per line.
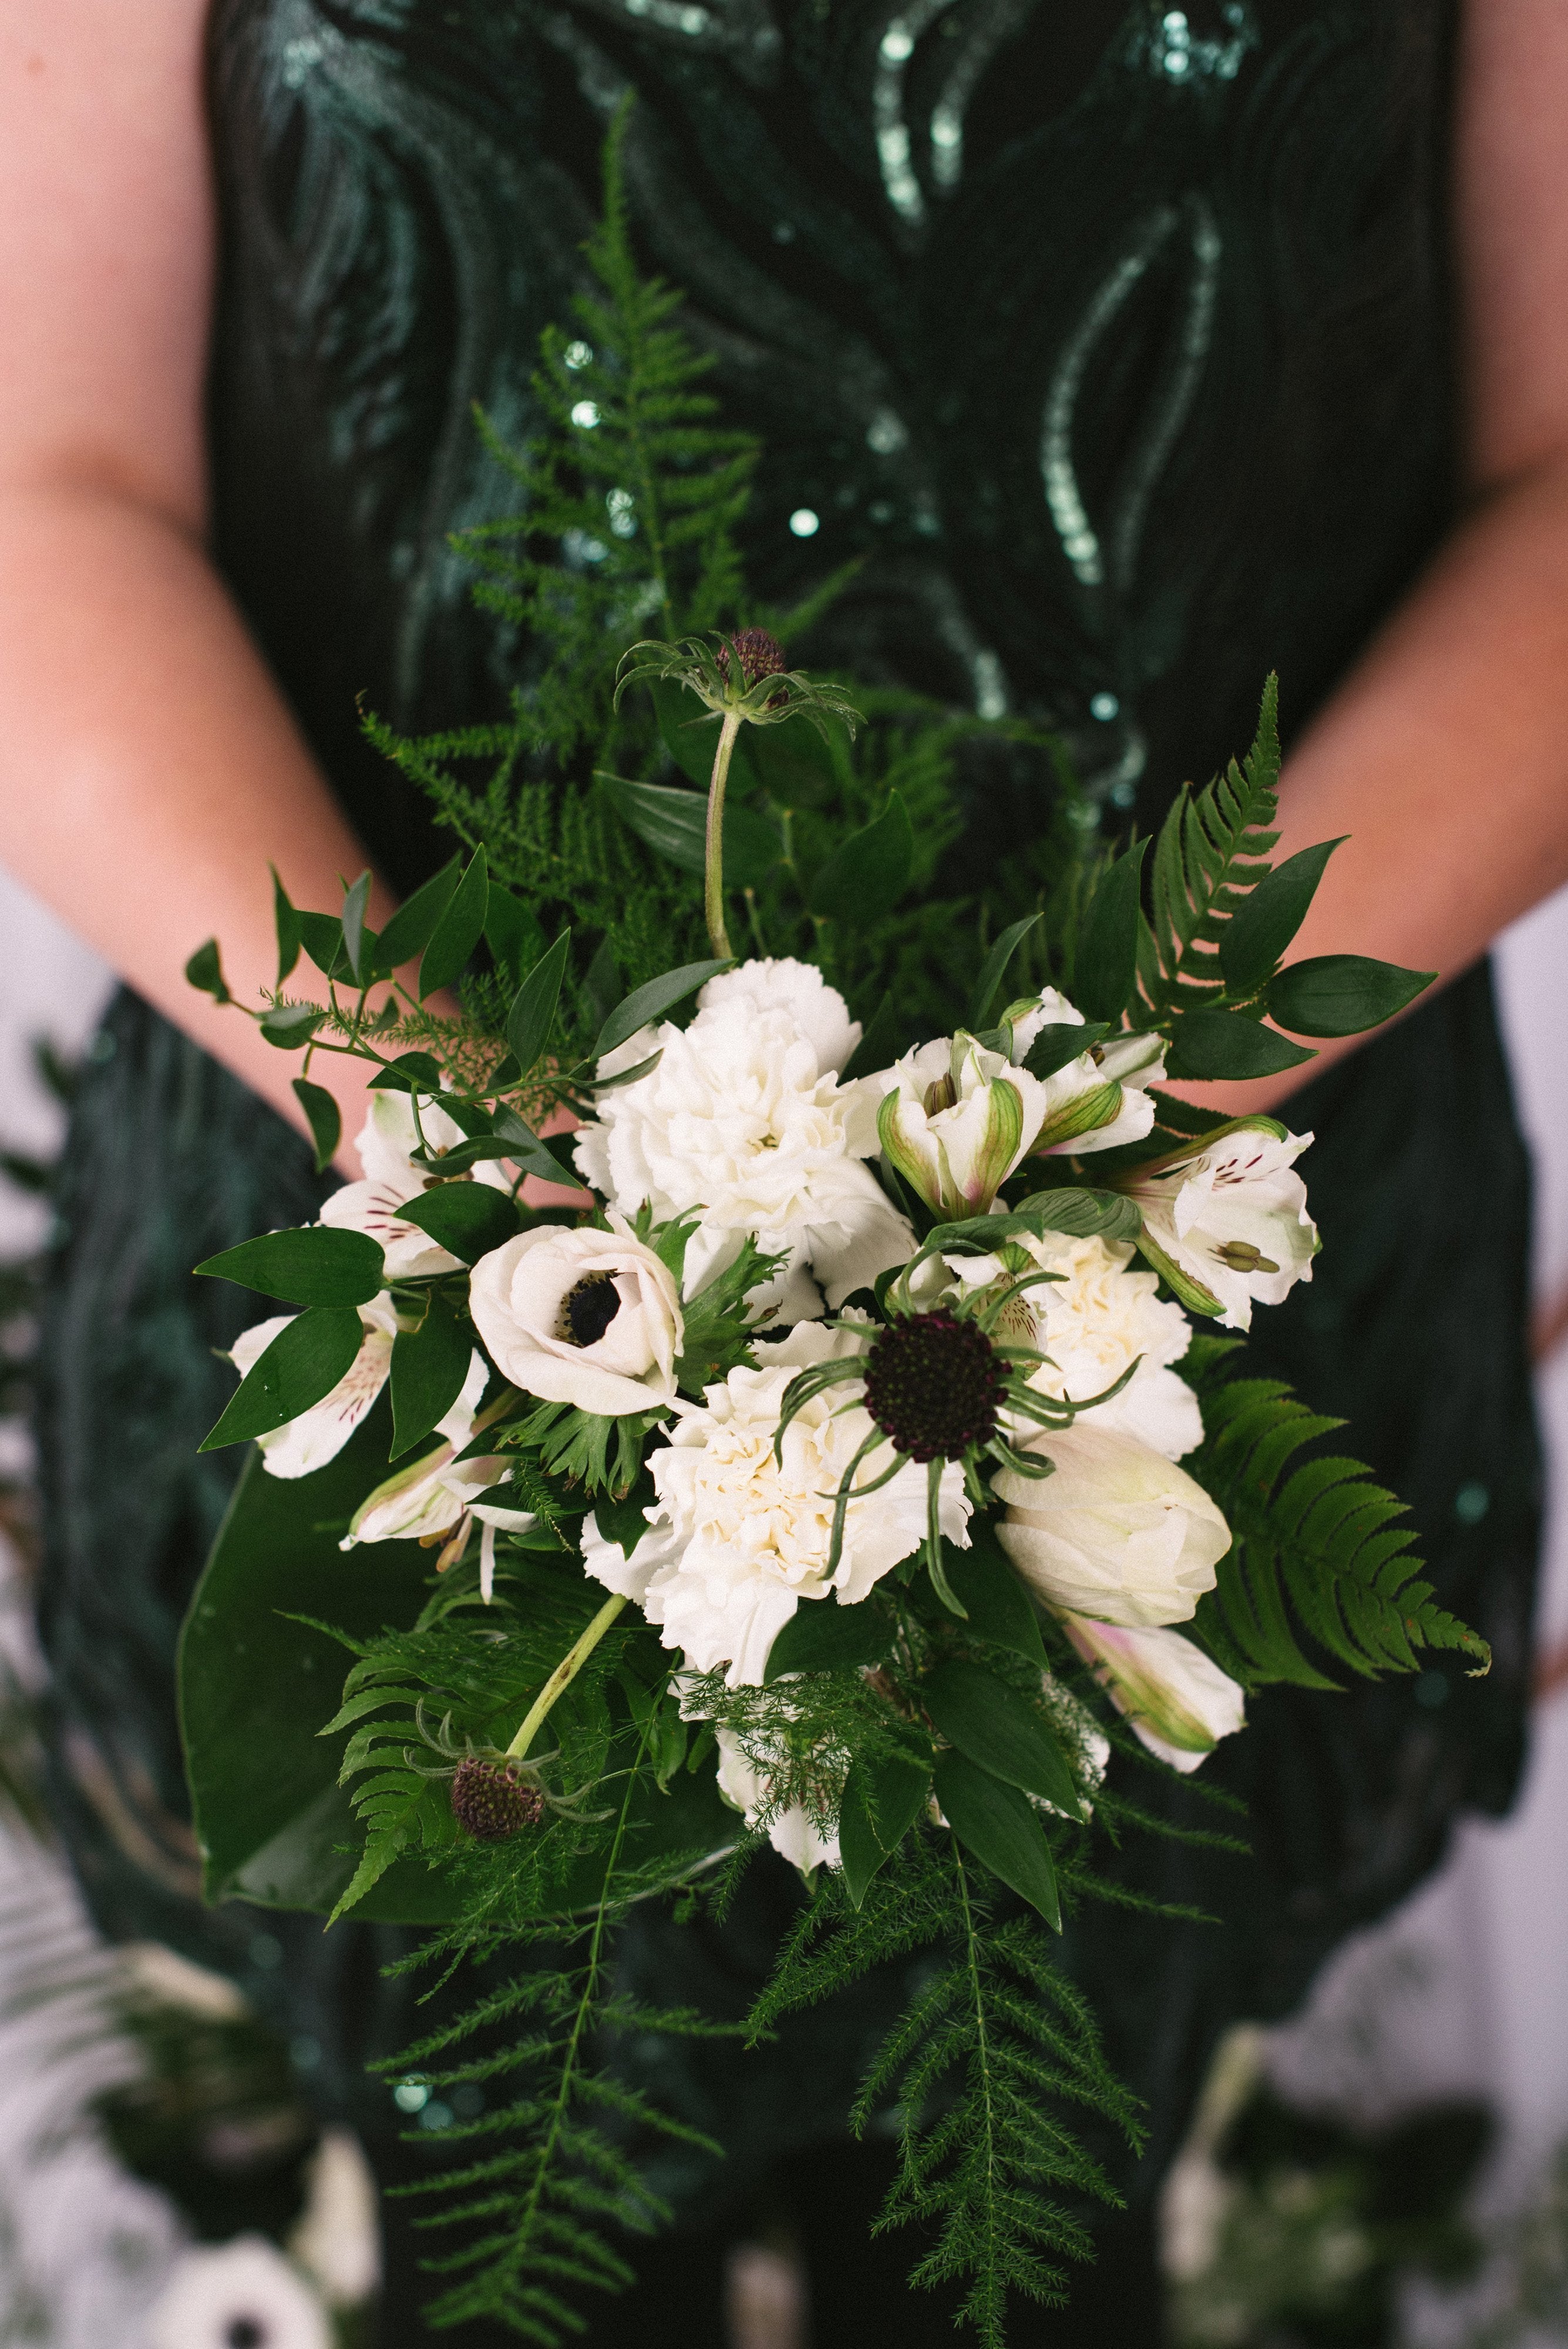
646 1003
317 1265
428 1367
355 938
1107 954
285 920
673 824
822 1635
467 1219
867 874
291 1026
533 1013
996 1726
1342 994
998 1826
1270 914
995 966
205 970
1228 1044
324 1118
301 1367
459 930
413 926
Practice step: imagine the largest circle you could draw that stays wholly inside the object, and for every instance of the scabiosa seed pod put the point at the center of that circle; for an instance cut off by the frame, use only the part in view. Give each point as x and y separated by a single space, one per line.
934 1385
492 1801
760 655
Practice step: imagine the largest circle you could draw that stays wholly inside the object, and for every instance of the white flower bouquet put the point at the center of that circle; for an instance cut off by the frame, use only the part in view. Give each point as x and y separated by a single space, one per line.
734 1414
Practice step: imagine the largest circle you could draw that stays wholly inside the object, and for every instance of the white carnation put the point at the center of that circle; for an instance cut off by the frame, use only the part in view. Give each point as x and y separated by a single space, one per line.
742 1120
739 1536
388 1141
818 1011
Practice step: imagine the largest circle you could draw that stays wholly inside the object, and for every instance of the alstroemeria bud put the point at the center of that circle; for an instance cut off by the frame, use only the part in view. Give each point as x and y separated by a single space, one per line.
1091 1100
956 1120
1225 1221
1177 1699
1116 1532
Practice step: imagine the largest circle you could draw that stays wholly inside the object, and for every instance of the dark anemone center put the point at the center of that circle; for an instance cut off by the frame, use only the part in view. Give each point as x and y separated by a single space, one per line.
934 1385
245 2333
759 654
588 1310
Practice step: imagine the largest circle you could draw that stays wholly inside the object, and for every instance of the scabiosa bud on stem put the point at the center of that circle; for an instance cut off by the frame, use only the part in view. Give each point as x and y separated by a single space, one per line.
493 1801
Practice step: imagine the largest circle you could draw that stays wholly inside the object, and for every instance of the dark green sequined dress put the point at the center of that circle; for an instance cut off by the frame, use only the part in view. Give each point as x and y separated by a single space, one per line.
1115 343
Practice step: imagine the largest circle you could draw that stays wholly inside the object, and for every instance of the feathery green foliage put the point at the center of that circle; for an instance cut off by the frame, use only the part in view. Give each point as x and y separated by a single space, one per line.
1213 847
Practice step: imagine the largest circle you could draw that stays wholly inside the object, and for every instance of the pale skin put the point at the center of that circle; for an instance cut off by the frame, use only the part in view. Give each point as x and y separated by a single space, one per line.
149 770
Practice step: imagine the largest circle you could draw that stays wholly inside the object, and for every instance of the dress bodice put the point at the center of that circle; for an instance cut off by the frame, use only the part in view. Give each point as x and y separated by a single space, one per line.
1111 341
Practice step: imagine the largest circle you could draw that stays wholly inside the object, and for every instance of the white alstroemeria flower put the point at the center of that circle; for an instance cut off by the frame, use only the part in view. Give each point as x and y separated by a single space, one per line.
1177 1699
241 2291
739 1536
955 1119
744 1119
1091 1103
1116 1532
1094 1322
388 1141
319 1434
578 1316
791 1834
1226 1222
425 1498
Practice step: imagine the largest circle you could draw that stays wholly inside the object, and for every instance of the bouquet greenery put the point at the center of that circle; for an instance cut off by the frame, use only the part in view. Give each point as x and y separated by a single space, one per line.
772 1399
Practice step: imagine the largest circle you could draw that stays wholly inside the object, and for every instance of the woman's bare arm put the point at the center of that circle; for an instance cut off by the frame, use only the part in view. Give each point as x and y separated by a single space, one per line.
148 766
1445 754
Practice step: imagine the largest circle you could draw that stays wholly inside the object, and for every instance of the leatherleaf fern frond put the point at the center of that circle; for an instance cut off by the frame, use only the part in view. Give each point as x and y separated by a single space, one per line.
1318 1551
978 2068
1214 846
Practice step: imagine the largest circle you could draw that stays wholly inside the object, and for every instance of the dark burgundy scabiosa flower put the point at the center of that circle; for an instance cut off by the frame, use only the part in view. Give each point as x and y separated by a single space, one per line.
760 655
493 1801
934 1385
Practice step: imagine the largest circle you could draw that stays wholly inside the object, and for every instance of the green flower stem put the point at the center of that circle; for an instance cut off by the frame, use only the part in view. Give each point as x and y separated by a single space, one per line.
713 890
561 1678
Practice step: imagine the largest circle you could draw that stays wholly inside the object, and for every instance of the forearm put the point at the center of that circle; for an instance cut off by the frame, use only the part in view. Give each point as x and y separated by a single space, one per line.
149 770
1444 756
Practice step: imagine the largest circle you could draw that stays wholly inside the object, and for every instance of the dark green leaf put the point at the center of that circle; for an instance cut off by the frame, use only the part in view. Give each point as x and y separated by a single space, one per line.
206 971
286 922
996 962
877 1045
984 1581
998 1728
1107 954
882 1801
513 933
868 874
459 930
409 1073
1084 1214
998 1826
649 1002
291 1026
314 1265
321 934
1341 995
428 1367
690 730
674 823
1057 1044
532 1013
1229 1044
1269 916
355 938
550 1161
324 1118
602 987
413 926
823 1637
304 1363
468 1219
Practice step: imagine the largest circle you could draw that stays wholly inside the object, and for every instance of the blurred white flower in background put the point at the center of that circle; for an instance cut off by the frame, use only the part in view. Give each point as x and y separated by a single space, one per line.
238 2295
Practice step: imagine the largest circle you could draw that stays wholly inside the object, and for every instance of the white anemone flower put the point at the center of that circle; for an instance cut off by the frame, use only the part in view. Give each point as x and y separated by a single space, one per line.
743 1118
739 1535
792 1833
1092 1102
244 2291
319 1434
388 1141
1094 1322
579 1316
1116 1531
